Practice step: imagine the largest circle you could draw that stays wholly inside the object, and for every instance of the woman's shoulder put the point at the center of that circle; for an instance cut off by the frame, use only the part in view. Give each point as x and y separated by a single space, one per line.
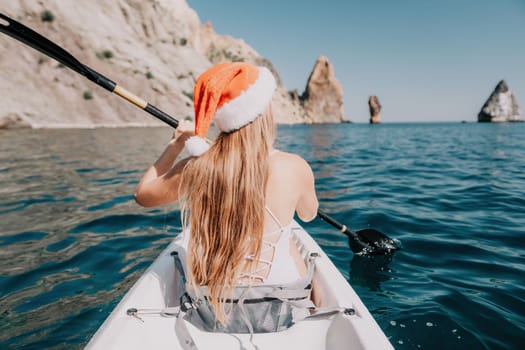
286 157
290 161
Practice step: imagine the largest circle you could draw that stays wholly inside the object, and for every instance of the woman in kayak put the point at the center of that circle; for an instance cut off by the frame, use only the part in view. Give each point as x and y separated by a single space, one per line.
239 194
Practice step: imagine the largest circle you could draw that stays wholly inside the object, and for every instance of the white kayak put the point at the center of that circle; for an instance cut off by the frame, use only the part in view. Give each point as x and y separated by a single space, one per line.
157 287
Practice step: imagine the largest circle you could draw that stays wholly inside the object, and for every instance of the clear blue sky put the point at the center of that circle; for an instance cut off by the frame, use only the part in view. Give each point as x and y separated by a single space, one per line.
425 60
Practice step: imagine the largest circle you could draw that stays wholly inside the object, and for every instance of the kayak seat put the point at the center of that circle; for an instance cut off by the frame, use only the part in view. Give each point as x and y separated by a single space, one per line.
259 308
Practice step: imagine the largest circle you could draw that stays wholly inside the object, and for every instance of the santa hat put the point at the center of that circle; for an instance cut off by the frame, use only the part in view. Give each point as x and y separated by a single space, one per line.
232 95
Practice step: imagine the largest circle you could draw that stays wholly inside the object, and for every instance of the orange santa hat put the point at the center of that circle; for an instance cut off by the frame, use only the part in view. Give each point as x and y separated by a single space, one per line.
232 95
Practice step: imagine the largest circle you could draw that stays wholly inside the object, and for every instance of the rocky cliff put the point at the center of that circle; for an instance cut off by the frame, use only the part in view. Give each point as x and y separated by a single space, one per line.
375 110
323 96
501 106
155 49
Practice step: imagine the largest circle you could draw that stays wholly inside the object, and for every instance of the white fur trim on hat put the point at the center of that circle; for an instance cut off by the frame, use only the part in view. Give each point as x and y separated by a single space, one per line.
196 146
248 105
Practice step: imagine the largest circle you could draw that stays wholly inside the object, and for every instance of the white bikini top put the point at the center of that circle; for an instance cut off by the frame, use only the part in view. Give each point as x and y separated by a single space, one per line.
281 268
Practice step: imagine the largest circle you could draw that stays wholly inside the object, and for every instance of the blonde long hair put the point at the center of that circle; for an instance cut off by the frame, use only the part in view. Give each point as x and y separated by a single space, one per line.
223 203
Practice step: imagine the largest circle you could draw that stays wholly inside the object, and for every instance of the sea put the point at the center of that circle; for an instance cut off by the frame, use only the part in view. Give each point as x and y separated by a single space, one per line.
73 241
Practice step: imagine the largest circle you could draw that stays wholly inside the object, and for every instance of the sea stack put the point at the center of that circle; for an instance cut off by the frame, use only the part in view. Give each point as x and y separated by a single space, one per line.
323 96
501 106
375 110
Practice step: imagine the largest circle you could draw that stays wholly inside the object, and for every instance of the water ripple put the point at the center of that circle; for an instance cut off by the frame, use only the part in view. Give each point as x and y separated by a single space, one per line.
73 241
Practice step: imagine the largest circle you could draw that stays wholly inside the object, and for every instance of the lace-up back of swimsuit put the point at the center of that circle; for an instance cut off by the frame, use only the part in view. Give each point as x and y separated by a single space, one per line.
276 265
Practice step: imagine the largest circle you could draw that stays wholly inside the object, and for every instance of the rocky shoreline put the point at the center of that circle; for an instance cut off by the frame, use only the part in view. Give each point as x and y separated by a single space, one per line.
155 50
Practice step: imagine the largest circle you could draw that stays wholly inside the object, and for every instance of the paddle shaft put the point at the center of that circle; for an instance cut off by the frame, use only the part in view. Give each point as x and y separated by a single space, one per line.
358 241
337 224
47 47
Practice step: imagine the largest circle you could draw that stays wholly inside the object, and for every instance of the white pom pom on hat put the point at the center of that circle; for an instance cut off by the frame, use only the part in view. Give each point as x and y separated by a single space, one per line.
231 94
196 145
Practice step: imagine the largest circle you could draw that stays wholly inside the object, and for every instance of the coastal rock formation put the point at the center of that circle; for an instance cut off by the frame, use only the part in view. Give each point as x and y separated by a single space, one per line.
155 49
323 96
375 110
501 106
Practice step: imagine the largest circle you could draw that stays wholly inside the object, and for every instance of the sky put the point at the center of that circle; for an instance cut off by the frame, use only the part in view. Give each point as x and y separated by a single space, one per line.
427 61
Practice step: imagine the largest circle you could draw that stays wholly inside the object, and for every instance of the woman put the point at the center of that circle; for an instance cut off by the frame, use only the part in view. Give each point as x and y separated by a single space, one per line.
239 195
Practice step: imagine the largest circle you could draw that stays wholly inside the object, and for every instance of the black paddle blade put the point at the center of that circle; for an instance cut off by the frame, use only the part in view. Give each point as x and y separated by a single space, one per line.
31 38
38 42
372 242
363 242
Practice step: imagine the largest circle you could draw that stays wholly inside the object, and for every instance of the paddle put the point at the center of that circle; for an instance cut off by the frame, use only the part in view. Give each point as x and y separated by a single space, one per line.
47 47
366 241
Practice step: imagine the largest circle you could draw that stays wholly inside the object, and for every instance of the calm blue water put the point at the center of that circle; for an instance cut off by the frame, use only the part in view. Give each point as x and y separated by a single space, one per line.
73 241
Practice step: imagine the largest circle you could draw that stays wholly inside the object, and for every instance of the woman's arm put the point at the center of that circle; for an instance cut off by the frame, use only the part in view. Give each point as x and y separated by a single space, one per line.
307 204
160 183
